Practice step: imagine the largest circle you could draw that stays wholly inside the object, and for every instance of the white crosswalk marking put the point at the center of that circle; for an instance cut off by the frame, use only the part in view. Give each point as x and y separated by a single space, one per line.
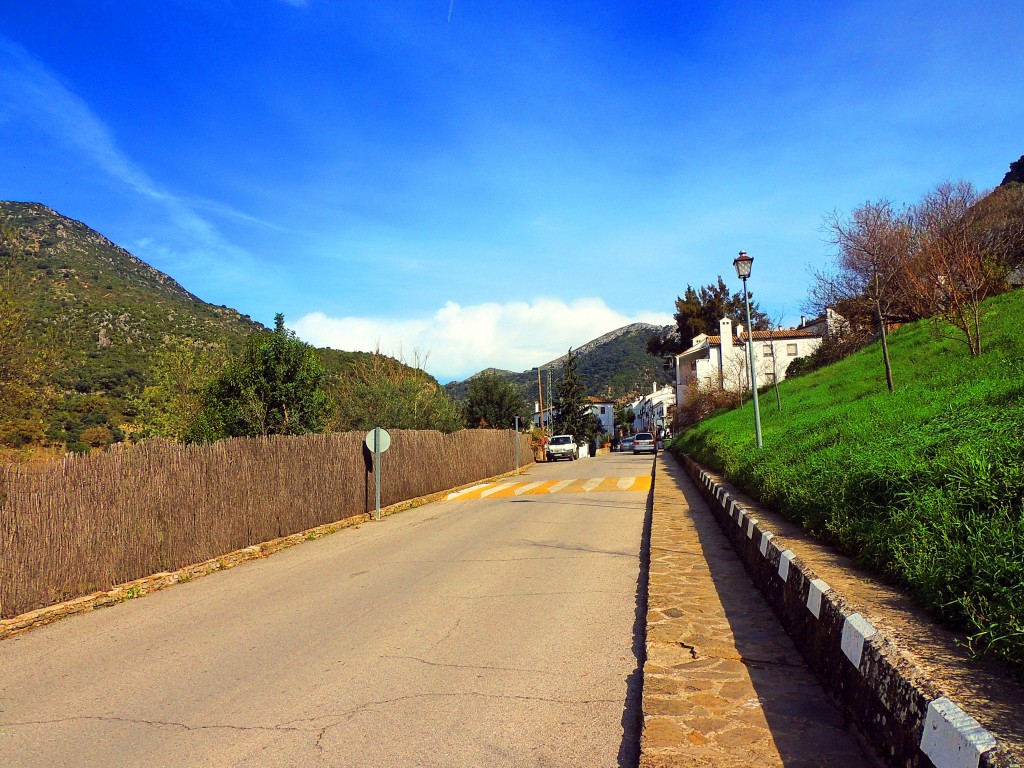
495 489
544 487
464 491
528 487
560 485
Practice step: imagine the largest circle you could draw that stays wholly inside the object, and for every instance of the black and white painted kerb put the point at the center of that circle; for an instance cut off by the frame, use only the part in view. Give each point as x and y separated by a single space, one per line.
894 705
816 591
952 737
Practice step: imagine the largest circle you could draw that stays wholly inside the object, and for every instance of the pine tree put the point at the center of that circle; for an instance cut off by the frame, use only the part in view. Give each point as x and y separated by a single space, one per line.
699 310
574 415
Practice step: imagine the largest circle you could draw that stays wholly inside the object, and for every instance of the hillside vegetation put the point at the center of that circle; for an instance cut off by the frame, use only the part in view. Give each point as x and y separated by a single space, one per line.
924 485
96 346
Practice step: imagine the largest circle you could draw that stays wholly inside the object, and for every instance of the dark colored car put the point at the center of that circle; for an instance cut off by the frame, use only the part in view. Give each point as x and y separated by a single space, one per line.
643 442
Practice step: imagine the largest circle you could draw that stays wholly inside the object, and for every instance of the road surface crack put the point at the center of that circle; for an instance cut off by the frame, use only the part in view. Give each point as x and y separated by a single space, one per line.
154 723
450 631
469 666
573 593
348 714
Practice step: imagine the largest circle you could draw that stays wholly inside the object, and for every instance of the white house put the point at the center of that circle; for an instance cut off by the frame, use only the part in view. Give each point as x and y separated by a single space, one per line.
722 360
548 416
604 410
829 324
651 410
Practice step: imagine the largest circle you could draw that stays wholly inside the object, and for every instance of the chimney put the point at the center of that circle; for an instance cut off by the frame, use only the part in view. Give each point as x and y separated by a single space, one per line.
803 321
654 387
725 331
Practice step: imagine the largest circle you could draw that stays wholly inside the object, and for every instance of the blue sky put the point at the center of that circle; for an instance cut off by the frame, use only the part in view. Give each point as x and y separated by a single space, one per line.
442 178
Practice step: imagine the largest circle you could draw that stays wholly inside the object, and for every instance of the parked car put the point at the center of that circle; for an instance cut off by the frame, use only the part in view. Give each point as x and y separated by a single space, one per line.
643 442
562 447
626 443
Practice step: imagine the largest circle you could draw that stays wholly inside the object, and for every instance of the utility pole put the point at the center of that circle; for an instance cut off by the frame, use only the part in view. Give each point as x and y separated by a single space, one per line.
540 398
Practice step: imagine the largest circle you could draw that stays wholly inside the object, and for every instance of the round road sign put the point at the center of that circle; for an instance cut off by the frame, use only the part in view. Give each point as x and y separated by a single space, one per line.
378 439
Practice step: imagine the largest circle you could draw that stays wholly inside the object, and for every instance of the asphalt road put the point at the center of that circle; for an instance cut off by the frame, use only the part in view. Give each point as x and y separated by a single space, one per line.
495 631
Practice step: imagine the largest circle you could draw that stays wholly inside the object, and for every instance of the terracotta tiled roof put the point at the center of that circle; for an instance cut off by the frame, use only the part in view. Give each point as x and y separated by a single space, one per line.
780 335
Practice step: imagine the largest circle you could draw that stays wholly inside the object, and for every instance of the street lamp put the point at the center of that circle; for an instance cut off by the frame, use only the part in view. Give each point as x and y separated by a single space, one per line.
743 263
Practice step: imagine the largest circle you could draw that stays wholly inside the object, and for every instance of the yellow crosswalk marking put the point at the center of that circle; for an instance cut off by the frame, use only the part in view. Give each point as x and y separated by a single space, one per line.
536 488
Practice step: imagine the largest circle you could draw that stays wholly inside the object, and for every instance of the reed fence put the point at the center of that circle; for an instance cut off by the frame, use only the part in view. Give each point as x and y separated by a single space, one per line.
86 523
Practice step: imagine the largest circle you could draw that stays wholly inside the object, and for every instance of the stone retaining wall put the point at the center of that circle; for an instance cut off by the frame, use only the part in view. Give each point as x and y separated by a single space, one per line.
897 709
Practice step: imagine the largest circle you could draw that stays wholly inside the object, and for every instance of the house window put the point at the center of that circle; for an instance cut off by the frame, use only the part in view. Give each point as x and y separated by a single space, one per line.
693 366
602 410
767 350
791 350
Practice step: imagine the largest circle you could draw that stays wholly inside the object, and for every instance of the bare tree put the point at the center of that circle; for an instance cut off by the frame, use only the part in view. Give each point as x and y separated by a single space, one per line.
960 260
873 244
735 374
700 401
775 324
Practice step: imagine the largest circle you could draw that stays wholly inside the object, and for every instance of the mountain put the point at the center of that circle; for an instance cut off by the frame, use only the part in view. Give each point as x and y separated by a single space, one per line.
103 321
615 365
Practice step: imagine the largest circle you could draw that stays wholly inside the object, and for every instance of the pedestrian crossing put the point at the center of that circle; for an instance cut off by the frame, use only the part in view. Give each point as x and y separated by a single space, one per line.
506 489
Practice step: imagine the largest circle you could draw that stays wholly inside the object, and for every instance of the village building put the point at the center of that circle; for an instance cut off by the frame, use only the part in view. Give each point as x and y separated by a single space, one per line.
722 361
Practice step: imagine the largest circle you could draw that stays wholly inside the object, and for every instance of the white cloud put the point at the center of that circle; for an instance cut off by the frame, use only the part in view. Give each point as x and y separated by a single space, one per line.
461 340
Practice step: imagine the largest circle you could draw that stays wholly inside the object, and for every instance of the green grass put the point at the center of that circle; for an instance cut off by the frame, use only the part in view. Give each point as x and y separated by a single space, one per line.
925 486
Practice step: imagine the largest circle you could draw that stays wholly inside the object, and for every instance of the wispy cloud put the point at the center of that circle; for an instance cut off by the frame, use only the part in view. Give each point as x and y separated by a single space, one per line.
461 340
31 92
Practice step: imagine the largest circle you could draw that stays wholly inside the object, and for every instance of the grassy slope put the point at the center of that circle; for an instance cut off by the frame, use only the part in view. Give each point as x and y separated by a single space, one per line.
925 485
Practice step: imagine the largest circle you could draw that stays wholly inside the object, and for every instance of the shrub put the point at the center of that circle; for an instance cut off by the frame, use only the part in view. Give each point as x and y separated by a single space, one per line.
699 402
97 437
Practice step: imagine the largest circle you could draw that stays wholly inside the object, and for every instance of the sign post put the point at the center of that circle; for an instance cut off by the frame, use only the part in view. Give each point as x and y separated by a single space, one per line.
517 443
377 440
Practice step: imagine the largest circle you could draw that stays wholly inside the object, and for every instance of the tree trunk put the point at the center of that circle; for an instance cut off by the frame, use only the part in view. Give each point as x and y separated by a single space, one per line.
885 346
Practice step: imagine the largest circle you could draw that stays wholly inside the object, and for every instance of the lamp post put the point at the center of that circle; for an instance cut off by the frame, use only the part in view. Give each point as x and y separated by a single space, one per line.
743 263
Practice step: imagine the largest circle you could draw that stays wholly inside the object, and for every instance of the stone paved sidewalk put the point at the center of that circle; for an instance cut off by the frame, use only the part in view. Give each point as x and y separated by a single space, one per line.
723 684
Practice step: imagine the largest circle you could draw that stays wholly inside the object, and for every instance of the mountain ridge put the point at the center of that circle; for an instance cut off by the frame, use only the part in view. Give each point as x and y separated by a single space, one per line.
614 365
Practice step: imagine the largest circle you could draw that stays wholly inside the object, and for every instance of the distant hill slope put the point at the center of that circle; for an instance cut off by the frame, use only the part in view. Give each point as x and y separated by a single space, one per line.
107 314
615 365
112 301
